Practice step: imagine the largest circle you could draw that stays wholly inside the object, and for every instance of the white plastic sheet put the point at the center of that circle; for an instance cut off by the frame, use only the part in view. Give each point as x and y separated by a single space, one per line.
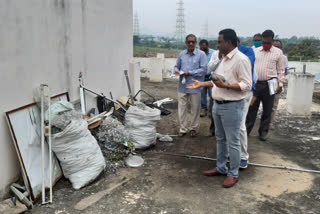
80 156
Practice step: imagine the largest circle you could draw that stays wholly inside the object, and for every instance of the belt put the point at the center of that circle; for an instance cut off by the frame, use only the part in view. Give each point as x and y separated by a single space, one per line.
265 81
226 101
262 81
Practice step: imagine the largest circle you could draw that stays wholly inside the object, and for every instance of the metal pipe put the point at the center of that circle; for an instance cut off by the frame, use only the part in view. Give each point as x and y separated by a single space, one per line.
101 95
82 101
253 164
50 148
42 143
129 87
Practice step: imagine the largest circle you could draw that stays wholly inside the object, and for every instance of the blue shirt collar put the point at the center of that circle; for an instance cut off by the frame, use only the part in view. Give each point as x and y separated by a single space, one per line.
193 53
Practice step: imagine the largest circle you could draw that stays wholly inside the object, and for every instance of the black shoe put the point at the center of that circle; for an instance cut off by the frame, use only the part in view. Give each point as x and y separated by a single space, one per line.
263 137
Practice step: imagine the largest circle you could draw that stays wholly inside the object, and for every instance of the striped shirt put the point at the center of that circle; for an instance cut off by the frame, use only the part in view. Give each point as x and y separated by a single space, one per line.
269 64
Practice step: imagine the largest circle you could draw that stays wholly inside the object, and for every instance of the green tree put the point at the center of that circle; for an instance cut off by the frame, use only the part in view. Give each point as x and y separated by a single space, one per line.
136 39
306 48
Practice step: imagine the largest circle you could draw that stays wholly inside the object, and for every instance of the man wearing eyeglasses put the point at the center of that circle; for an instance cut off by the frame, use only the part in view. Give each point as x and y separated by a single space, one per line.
269 66
191 64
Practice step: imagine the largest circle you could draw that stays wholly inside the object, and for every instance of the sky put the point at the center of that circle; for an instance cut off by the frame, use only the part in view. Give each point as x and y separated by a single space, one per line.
285 17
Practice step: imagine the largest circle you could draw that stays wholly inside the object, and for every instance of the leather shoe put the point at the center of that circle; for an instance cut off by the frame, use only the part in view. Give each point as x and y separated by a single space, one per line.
230 181
263 137
212 172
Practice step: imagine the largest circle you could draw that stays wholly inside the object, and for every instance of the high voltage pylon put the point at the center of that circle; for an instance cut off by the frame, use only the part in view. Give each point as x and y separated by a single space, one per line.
180 24
136 25
205 33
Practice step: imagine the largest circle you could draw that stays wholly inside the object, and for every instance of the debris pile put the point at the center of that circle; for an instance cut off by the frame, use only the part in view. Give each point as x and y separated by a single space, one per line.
62 120
114 143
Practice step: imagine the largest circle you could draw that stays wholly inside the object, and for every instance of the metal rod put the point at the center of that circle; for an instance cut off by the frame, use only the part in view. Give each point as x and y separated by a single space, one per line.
101 95
50 143
129 88
82 100
253 164
42 143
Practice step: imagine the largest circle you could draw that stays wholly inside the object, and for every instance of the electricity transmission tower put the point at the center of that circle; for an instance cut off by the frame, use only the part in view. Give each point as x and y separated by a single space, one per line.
205 30
180 24
136 25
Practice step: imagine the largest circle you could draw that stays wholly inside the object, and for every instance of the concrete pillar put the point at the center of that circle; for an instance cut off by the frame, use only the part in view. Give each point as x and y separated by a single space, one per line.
156 69
299 93
134 77
160 55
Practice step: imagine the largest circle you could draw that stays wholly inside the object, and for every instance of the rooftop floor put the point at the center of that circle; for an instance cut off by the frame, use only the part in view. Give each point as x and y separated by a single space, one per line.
171 184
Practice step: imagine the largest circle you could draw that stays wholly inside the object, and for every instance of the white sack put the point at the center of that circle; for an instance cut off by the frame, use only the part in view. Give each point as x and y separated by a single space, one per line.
141 123
79 154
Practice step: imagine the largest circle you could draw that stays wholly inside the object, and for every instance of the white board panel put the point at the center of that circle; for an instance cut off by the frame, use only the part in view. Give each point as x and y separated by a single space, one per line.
25 126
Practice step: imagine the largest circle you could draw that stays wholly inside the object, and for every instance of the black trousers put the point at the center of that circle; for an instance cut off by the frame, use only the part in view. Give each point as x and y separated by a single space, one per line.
212 127
262 94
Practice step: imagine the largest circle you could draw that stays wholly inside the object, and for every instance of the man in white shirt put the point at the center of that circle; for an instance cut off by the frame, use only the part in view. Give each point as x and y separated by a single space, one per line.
213 64
228 107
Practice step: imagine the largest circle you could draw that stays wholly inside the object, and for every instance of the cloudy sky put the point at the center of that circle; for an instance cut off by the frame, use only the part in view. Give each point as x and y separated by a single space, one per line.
247 17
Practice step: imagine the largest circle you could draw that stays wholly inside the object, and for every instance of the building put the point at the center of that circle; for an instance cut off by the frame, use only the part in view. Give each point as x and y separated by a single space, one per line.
51 42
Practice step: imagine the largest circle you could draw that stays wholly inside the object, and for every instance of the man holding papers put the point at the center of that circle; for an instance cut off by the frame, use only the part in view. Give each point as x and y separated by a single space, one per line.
269 66
191 64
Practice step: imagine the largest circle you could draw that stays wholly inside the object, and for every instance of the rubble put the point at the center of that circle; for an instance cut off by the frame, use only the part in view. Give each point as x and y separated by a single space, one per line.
114 142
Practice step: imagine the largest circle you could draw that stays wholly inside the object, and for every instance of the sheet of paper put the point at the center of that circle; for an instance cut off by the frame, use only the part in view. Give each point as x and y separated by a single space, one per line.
273 85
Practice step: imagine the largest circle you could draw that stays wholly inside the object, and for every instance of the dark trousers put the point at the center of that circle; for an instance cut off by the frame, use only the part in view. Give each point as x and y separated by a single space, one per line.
261 94
212 127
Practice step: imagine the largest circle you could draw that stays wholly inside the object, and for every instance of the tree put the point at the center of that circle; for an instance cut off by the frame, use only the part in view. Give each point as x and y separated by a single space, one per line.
136 39
307 48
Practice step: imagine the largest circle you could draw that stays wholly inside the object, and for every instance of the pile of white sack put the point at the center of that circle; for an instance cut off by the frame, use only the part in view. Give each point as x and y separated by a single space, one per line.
79 154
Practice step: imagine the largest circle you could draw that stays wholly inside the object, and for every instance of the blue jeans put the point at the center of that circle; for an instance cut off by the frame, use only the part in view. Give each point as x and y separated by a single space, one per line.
204 92
227 119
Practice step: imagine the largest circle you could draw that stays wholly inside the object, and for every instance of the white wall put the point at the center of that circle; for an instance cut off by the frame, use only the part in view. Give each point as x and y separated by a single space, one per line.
50 42
169 63
145 66
311 67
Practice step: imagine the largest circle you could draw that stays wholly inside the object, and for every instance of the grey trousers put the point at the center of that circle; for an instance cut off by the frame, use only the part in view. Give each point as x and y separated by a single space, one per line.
189 111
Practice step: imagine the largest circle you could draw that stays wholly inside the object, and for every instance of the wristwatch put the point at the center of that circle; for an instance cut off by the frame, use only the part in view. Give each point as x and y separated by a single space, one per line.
228 86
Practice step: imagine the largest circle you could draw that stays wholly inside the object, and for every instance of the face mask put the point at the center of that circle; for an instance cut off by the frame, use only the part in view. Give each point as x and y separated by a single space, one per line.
266 46
257 43
205 50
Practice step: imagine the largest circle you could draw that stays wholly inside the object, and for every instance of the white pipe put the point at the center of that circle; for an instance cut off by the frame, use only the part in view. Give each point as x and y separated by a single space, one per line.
50 149
42 144
82 101
83 105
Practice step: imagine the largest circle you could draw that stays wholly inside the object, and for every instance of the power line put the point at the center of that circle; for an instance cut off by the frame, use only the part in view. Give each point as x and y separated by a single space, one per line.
204 32
180 23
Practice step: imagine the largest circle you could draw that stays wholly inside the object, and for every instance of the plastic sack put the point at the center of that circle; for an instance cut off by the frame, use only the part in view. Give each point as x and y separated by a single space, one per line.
58 108
164 138
141 122
79 154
